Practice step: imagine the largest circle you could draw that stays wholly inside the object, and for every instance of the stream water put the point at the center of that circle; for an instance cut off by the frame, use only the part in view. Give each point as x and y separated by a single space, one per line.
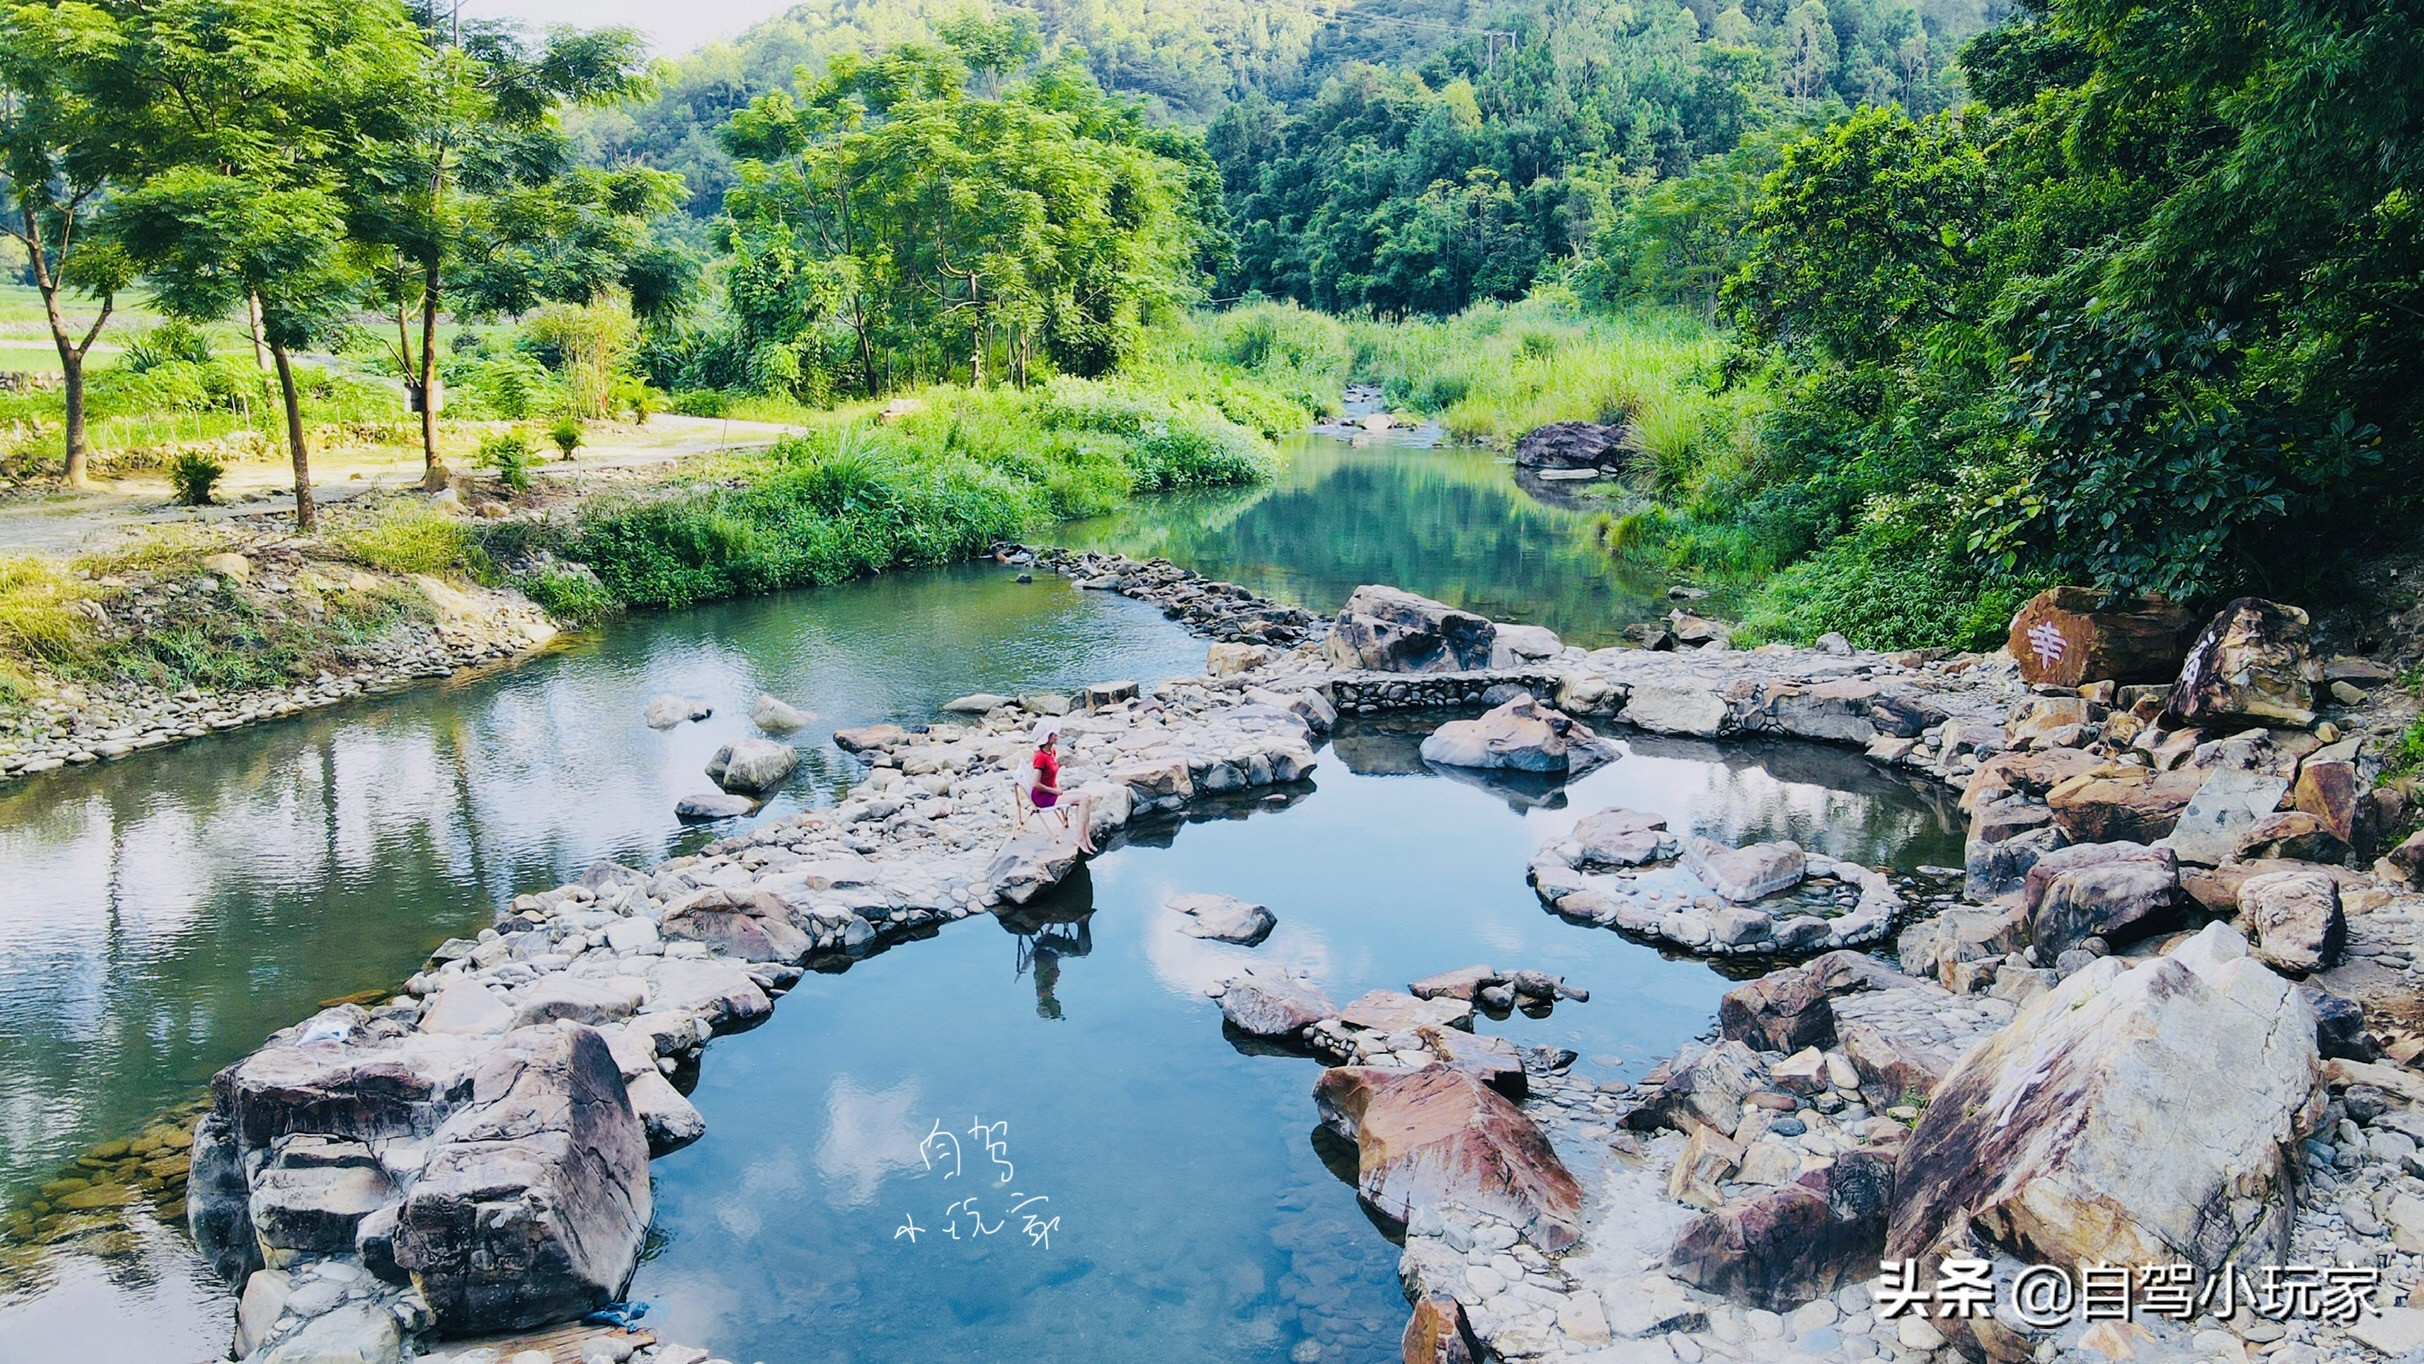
164 913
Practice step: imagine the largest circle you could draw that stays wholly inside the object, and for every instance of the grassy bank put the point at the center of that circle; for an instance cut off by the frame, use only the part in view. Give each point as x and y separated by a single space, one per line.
931 478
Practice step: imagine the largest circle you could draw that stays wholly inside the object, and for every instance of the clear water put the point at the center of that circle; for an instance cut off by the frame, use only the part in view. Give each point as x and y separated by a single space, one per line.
1448 523
163 913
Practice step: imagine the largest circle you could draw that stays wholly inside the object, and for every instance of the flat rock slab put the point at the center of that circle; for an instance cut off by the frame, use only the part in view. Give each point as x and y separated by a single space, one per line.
1387 1011
1745 874
1440 1136
713 805
1222 917
1462 983
1271 1003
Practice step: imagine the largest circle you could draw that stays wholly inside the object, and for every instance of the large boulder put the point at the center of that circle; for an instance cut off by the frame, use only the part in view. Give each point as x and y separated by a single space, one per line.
2338 797
1522 736
2119 892
1439 1334
1618 837
753 766
1785 1246
1382 629
2065 636
1571 445
1661 709
777 716
667 711
2122 803
1438 1135
1271 1003
534 1198
2231 802
1933 946
2147 1115
2249 666
2296 917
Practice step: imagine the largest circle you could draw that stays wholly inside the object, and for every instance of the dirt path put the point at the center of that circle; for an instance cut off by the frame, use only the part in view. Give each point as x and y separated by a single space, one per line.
64 522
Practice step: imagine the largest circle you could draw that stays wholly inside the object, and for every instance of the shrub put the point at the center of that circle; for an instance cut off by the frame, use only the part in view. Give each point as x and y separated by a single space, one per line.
510 455
173 341
566 433
702 402
570 593
194 476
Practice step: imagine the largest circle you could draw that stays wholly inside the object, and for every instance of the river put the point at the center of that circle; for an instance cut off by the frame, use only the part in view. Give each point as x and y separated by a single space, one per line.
168 911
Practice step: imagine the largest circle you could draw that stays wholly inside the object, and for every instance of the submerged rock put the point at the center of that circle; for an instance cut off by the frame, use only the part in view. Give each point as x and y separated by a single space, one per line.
753 766
1222 917
713 805
776 716
1439 1136
2049 1138
667 711
1382 629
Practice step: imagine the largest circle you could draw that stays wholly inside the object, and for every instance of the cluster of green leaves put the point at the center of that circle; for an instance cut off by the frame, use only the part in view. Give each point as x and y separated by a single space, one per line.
937 484
1423 191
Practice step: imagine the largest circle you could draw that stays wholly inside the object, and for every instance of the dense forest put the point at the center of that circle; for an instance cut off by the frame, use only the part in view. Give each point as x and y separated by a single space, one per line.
1907 309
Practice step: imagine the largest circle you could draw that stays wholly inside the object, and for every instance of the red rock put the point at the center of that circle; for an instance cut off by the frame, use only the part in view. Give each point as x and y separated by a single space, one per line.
1785 1246
2333 793
2120 803
1439 1135
2065 636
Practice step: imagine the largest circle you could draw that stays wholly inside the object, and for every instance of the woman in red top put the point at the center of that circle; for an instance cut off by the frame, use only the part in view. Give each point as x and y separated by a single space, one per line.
1043 791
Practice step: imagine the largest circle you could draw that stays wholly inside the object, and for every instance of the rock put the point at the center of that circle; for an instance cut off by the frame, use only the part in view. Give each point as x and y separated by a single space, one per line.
231 566
1029 865
1266 1002
1385 630
577 999
1429 1138
1517 646
713 805
1494 1060
1230 659
1832 643
2230 803
265 1295
2119 892
315 1208
2043 1137
1697 711
1999 868
1387 1011
2335 795
978 703
2250 665
2122 803
2340 1026
722 992
1618 838
752 925
1791 1009
1096 696
1745 874
1223 917
533 1201
1439 1334
2065 636
2394 1332
1706 1086
865 738
351 1333
1778 1249
1521 735
753 766
2293 835
2296 918
2404 864
1462 983
667 711
467 1008
1571 445
1931 948
776 716
670 1119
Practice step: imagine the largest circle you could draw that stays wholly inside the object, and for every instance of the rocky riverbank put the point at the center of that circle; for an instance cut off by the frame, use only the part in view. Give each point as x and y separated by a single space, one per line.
470 1156
411 628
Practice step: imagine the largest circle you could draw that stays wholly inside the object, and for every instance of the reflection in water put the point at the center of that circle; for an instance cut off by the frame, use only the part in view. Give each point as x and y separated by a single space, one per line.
167 912
1450 524
1053 927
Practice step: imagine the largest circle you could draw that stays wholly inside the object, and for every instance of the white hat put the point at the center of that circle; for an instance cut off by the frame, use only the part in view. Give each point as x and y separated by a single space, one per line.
1046 730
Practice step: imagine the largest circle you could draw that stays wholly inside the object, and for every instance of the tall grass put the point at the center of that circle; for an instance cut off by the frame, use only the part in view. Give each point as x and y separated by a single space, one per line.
854 494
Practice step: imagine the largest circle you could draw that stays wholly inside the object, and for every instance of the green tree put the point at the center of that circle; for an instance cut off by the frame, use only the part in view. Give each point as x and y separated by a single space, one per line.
479 202
251 117
56 170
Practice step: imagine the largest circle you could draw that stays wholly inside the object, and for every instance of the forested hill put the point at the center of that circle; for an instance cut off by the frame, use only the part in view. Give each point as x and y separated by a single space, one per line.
1530 112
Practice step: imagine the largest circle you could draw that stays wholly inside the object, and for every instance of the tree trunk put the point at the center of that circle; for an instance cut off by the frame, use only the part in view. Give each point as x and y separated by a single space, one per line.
306 515
260 338
433 472
71 388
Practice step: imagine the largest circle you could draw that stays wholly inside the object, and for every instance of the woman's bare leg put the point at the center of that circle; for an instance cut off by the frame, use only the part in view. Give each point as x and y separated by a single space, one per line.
1083 818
